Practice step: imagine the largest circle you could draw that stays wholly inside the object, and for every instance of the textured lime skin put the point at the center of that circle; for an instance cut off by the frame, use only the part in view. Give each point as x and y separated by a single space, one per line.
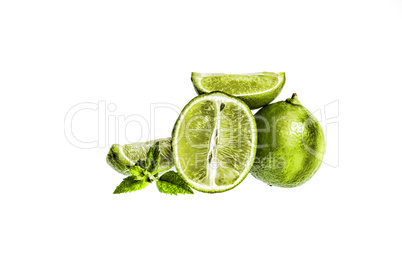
291 144
255 100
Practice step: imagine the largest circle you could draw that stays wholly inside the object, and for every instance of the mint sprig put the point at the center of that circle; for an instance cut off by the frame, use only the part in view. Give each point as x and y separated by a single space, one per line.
145 172
130 184
173 183
152 162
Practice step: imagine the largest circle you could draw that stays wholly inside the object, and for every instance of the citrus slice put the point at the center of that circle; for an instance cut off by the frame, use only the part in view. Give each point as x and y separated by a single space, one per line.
214 142
255 89
122 156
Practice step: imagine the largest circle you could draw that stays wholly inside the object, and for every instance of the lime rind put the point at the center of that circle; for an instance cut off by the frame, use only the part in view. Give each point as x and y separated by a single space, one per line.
255 89
292 158
225 178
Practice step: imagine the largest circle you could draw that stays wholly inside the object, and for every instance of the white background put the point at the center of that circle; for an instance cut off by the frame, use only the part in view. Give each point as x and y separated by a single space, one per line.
56 203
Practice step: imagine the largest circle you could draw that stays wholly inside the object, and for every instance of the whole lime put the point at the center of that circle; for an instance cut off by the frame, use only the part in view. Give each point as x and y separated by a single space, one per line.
291 144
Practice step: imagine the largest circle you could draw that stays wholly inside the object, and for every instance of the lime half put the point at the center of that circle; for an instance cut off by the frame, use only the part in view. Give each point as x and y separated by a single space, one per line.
255 89
214 142
122 156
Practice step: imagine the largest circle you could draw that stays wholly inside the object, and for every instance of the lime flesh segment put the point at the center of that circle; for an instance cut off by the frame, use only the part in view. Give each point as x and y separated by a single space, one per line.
233 84
122 156
214 142
255 89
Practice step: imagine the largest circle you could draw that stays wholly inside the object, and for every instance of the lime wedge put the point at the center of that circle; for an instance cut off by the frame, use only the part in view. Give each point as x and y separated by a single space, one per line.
255 89
121 156
214 142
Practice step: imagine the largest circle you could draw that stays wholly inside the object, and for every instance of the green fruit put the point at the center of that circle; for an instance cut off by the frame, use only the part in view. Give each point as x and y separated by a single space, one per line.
290 144
122 156
214 142
255 89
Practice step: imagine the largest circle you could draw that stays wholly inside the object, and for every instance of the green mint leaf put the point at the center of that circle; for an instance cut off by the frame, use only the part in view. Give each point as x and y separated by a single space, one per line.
130 184
152 161
137 171
173 183
140 163
149 176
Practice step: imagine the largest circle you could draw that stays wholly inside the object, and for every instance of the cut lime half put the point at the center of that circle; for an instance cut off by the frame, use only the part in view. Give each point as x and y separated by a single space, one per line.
255 89
214 142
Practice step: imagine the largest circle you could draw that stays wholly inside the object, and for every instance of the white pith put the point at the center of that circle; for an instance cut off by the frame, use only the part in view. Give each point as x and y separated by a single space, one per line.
125 156
218 99
199 77
213 148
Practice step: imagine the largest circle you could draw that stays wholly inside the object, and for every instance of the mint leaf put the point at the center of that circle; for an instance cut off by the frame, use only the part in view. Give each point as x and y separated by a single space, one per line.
152 161
149 177
137 171
173 183
130 184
